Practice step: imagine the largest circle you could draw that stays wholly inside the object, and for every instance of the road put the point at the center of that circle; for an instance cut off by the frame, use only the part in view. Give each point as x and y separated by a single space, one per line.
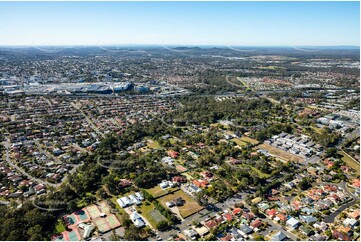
330 218
47 153
7 146
90 122
221 206
273 225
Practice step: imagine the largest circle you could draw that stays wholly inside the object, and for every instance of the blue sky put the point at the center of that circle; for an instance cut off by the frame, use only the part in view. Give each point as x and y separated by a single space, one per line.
180 23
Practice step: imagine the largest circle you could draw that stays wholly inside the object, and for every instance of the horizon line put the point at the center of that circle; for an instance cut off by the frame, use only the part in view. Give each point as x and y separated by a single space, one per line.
173 45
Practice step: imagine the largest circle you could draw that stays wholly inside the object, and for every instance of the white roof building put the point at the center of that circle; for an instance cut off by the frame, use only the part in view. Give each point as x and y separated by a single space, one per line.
137 220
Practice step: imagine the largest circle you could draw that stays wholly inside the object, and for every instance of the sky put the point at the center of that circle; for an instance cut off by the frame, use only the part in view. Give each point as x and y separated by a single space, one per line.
180 23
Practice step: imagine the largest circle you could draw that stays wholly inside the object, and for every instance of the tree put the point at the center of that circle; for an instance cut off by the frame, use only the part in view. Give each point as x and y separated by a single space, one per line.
162 225
304 184
72 205
254 210
132 233
35 233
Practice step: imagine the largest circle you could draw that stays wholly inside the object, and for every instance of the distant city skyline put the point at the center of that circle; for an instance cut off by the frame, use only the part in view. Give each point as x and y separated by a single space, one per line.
180 23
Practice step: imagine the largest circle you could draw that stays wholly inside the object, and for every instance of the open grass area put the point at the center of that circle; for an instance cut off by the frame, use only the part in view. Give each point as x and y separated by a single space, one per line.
60 226
157 191
281 154
316 129
151 214
250 140
153 144
350 162
260 173
239 142
190 206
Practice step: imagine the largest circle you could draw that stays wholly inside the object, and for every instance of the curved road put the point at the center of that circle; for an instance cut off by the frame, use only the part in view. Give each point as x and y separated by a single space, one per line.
330 218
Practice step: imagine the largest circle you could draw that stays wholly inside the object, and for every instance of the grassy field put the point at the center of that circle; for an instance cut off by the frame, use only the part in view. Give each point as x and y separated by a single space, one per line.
350 162
250 140
147 211
260 173
190 207
157 191
316 129
60 226
239 142
278 153
153 144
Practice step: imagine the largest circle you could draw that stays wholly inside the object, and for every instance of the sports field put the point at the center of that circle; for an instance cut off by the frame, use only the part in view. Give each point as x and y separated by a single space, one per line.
101 224
151 214
113 221
93 211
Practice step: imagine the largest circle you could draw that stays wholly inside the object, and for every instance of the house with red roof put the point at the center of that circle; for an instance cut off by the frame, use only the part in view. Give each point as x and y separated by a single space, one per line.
124 183
228 237
173 154
282 217
201 183
271 213
248 216
340 236
237 211
257 223
227 216
356 183
211 224
207 175
179 179
219 220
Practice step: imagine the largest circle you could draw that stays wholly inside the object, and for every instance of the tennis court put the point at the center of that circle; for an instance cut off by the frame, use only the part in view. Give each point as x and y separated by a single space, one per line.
70 236
82 215
104 207
73 236
102 224
93 211
157 216
70 219
113 221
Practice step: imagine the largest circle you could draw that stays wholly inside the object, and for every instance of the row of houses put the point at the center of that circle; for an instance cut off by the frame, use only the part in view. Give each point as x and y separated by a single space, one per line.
132 199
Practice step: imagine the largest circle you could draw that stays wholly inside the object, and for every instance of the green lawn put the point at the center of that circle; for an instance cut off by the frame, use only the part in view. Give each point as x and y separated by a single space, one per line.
250 140
239 142
350 162
145 210
316 129
260 173
60 226
157 191
153 144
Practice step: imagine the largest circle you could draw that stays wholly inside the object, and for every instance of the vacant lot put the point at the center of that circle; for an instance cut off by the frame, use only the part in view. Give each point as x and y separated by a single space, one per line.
190 206
250 140
239 142
281 154
153 144
157 191
350 162
260 173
